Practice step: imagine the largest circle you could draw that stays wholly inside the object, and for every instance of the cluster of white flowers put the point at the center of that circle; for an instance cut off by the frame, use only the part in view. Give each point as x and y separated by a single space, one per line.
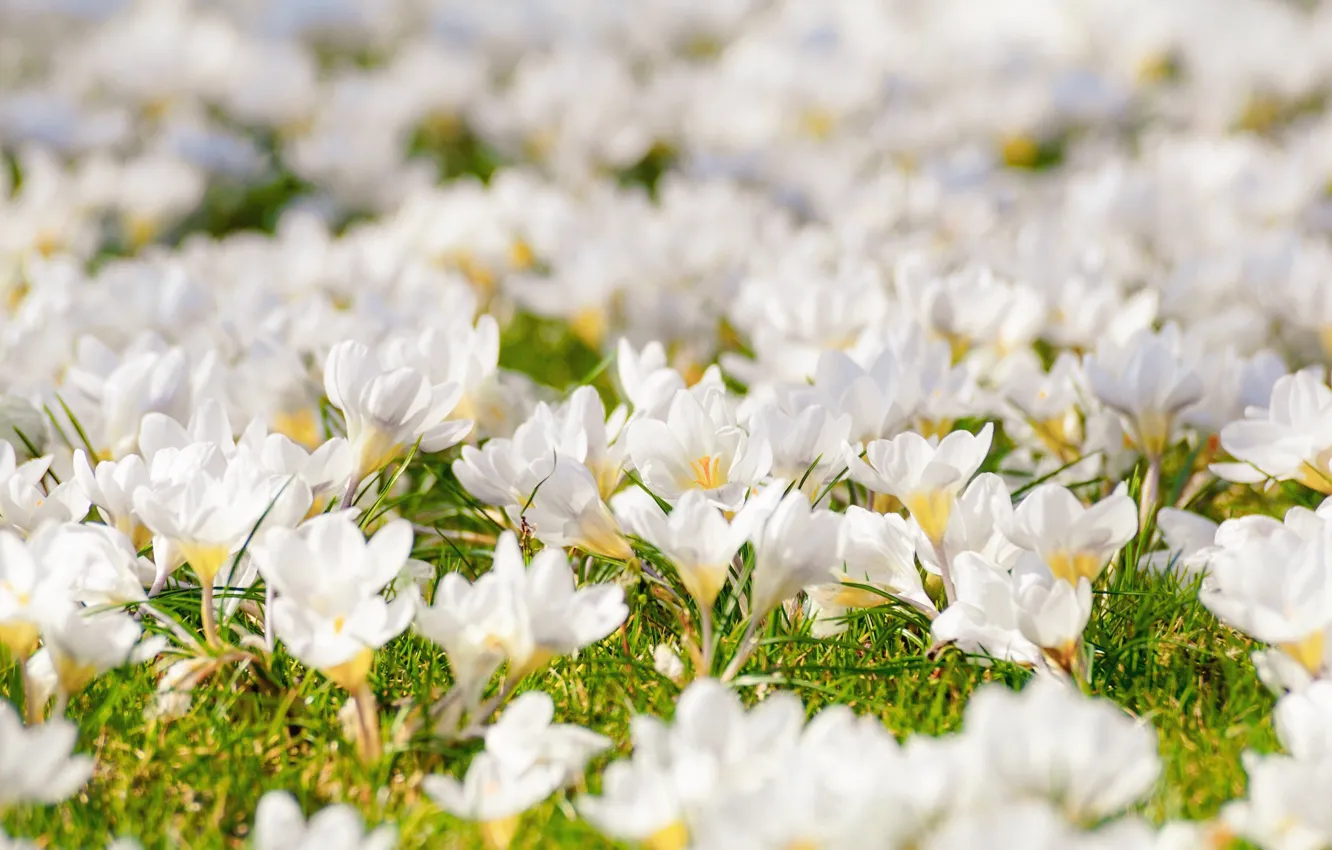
1023 772
946 310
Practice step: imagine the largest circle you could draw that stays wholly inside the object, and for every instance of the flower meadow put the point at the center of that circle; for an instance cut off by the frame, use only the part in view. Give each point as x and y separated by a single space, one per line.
716 424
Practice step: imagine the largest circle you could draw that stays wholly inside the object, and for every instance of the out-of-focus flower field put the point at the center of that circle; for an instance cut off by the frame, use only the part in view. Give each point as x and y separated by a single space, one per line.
714 424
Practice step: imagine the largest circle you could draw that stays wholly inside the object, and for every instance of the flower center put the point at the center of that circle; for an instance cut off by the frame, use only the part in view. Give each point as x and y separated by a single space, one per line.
708 473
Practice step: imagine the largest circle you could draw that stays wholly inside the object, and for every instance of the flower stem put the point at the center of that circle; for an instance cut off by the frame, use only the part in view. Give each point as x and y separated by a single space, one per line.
61 703
32 712
705 630
349 496
748 644
1151 484
945 571
209 615
477 718
270 639
369 745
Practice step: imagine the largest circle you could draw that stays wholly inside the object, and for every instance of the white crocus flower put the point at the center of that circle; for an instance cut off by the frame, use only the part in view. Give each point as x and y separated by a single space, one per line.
698 447
83 643
1289 440
1023 825
566 510
1074 541
594 438
795 547
120 389
328 610
37 765
647 382
279 825
1146 380
207 514
25 501
465 620
552 616
110 486
388 410
1287 602
1085 756
985 619
976 524
696 538
494 793
507 471
527 757
463 354
926 475
879 399
655 797
30 594
525 737
1303 721
1052 613
876 550
806 447
96 563
1286 805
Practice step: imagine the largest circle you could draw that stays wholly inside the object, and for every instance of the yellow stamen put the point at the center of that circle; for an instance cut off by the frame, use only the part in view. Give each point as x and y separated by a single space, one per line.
1157 68
708 472
958 346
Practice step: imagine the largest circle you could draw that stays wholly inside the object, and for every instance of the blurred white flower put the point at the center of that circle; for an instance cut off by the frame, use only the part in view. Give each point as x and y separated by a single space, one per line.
37 765
280 825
